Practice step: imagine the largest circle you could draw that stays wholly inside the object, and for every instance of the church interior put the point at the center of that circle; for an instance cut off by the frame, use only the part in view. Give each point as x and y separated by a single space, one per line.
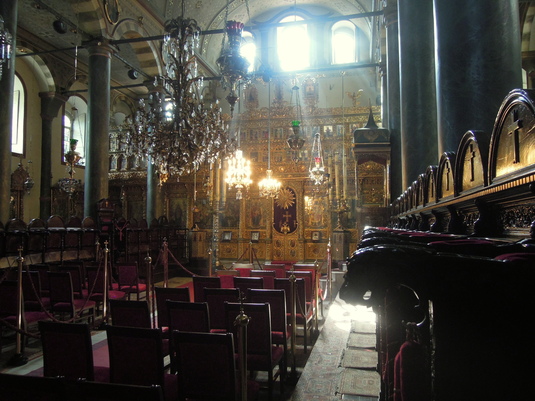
373 161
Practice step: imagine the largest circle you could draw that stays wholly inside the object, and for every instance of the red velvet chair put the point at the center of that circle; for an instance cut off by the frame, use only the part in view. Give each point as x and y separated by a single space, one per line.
244 283
267 275
188 316
62 301
95 286
168 294
201 282
68 352
9 310
31 290
216 380
128 279
303 315
130 313
136 357
216 298
262 355
280 329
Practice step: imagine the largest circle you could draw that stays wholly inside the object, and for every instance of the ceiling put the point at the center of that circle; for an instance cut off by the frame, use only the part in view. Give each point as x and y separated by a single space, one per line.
85 20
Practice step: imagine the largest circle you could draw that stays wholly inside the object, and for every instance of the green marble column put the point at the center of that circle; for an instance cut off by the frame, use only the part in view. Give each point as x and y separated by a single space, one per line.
97 154
479 62
419 142
392 103
8 10
50 105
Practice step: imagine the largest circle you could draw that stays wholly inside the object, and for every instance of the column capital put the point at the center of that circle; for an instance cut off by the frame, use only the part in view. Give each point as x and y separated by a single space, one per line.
100 47
51 102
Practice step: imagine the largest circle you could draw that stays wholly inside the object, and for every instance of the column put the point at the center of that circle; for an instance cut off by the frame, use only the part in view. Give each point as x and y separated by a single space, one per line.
478 46
97 156
8 10
154 193
50 105
392 103
417 94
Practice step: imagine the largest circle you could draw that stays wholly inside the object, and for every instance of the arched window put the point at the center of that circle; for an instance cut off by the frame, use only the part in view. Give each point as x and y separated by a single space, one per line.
74 126
17 132
248 49
343 42
293 45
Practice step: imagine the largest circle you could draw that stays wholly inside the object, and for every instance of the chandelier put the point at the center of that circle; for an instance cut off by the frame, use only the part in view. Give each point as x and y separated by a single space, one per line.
239 173
232 64
174 128
295 142
316 171
269 187
6 42
69 184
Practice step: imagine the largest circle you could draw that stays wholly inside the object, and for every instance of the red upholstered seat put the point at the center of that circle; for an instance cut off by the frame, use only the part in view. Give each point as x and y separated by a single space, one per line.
68 352
169 294
201 282
262 355
217 380
136 357
216 298
128 279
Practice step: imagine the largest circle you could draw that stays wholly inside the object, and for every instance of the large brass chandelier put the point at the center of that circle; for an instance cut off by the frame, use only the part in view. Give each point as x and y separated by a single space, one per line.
269 187
173 127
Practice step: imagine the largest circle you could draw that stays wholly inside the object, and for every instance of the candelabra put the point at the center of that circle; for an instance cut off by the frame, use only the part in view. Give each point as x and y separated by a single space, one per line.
70 185
269 187
174 128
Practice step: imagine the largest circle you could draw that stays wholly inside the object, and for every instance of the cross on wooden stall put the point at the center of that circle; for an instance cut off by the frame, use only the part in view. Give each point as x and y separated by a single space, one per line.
514 131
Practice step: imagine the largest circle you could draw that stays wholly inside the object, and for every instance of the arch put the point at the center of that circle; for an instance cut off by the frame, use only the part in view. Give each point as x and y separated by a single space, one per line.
512 143
431 184
147 52
446 176
343 42
472 162
39 68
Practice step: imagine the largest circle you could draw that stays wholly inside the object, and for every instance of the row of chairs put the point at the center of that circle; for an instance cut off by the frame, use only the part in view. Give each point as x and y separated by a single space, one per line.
268 335
135 358
305 305
70 291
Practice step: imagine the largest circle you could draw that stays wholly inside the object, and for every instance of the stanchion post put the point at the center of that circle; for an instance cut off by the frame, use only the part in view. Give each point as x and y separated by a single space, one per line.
19 359
292 378
150 300
330 272
165 260
316 293
105 288
242 320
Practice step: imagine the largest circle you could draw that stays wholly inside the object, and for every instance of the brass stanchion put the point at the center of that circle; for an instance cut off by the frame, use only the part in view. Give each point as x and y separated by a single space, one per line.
242 320
150 289
293 377
165 262
105 289
316 294
330 272
19 359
